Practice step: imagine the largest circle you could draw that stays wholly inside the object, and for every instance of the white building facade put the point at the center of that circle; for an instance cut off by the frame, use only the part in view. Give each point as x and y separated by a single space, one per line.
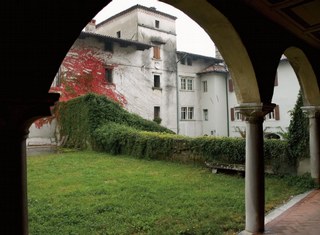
192 94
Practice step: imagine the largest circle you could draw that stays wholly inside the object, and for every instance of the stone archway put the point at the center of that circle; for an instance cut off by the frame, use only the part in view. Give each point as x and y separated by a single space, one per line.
305 74
229 43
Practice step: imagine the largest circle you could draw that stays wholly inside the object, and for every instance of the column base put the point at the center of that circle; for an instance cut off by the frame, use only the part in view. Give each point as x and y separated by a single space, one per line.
244 232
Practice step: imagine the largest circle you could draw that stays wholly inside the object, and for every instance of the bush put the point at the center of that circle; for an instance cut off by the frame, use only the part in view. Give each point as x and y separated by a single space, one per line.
119 139
81 116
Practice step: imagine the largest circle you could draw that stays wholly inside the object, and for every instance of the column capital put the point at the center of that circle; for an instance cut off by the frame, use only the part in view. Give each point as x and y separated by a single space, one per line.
312 111
17 113
255 112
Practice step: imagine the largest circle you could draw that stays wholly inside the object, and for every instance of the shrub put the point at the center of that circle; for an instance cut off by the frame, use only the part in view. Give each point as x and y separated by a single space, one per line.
81 116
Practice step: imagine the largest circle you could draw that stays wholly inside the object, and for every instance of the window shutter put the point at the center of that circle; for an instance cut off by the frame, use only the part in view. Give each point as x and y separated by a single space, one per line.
277 112
276 80
156 52
230 85
232 114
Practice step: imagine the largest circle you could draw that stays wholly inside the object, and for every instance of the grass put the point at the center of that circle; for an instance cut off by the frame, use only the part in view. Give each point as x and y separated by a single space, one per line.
95 193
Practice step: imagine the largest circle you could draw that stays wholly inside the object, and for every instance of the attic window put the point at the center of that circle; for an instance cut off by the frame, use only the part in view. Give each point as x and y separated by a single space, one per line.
189 61
119 34
157 24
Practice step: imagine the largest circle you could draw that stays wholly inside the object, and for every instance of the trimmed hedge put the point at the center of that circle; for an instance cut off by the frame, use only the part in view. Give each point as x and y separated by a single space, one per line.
93 121
81 116
119 139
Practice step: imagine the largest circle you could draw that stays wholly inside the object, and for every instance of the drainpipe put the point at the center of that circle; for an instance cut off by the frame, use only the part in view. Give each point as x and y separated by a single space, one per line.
227 99
177 93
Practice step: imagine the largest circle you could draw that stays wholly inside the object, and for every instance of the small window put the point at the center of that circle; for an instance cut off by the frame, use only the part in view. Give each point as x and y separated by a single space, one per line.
183 60
205 115
186 84
190 113
236 115
183 84
108 75
157 23
189 61
274 115
189 84
187 113
156 112
156 81
119 34
205 86
183 113
108 46
156 52
230 85
276 82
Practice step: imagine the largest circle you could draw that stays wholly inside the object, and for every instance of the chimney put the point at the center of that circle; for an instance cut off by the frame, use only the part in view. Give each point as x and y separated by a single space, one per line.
218 55
91 26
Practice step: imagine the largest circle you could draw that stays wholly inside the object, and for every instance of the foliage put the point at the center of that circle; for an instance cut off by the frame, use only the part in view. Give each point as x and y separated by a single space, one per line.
119 139
82 71
298 132
95 193
80 117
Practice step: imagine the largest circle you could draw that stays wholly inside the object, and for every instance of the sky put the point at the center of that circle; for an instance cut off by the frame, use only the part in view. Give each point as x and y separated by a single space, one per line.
190 36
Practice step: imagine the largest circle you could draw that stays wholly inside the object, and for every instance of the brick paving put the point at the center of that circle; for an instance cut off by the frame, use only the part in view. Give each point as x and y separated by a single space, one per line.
301 219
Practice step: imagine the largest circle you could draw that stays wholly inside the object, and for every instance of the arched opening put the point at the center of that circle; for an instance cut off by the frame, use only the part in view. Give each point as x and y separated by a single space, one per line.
305 74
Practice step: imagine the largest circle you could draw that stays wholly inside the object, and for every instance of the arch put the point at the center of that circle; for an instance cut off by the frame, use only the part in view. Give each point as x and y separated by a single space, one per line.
305 74
229 43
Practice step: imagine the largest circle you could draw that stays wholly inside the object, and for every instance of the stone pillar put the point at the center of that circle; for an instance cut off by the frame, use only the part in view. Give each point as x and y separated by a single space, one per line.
254 172
16 116
313 113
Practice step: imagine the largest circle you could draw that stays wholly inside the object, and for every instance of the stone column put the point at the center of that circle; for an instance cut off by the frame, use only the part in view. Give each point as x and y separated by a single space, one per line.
313 113
254 172
16 116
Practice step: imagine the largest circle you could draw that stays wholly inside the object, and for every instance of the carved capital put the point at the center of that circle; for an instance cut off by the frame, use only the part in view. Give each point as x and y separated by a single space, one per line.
255 112
18 113
311 111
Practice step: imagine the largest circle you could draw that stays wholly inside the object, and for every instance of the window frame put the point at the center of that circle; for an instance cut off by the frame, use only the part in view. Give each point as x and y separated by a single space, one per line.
205 86
187 113
205 114
108 71
156 81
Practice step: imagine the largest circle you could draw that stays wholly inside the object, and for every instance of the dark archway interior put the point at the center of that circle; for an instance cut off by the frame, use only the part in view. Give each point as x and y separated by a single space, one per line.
36 36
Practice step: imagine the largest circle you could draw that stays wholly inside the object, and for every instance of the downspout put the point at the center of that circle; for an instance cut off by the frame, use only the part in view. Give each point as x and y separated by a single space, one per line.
227 99
177 93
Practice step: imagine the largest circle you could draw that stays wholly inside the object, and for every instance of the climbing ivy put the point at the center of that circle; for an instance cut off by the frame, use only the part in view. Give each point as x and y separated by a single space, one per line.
298 132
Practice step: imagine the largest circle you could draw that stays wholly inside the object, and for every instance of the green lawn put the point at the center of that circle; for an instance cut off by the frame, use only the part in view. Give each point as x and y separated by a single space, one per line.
93 193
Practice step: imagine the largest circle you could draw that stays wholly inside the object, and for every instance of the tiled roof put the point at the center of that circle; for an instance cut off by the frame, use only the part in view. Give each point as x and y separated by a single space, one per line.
122 42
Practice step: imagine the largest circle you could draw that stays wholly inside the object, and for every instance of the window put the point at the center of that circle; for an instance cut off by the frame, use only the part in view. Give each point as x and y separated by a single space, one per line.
205 86
236 115
186 84
156 81
156 52
119 34
157 23
156 112
187 113
108 75
230 85
189 84
108 46
183 60
183 84
205 115
274 115
189 61
276 82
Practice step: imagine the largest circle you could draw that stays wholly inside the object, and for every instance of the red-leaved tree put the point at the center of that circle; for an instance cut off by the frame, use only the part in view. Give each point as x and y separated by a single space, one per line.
83 71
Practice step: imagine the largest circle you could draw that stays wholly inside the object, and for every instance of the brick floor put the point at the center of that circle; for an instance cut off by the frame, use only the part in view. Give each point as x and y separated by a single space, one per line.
302 218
